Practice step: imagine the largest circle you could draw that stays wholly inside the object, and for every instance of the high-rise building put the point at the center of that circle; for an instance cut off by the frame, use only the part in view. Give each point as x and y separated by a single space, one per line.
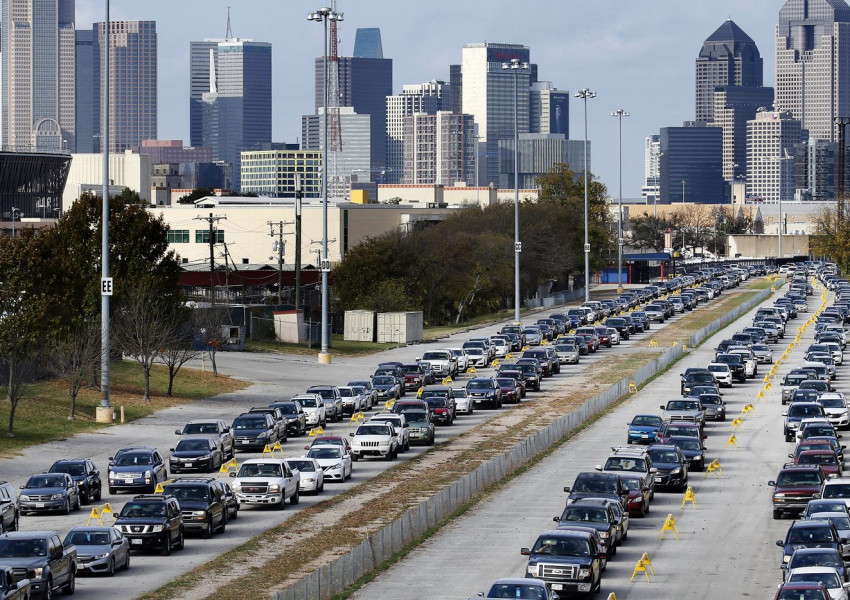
691 166
488 95
427 98
132 83
651 169
439 149
230 102
272 173
771 171
812 56
364 84
353 161
37 101
538 154
733 107
86 91
817 169
367 43
549 109
728 57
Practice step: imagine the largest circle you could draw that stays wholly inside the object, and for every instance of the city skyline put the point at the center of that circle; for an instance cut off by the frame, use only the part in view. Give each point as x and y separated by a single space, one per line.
637 59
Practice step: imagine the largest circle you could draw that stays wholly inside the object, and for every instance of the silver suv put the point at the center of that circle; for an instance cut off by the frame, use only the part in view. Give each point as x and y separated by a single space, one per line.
631 460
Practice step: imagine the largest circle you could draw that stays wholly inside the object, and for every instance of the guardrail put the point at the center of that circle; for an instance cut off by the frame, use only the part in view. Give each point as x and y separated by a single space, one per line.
336 576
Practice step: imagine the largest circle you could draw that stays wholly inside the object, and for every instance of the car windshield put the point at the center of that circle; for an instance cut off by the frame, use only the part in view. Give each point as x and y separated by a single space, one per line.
259 470
479 385
506 382
87 538
614 463
811 410
633 484
475 352
186 445
459 392
822 458
383 380
132 459
308 402
46 481
72 469
22 548
823 558
599 485
710 399
585 513
832 403
143 510
688 444
435 394
795 379
521 591
305 466
663 456
561 546
325 452
249 423
829 580
682 405
646 421
372 430
414 415
346 392
436 401
718 368
798 478
841 523
837 490
187 493
288 409
194 428
565 348
435 356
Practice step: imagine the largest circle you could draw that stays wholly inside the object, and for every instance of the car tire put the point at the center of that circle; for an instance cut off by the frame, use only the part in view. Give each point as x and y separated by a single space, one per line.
296 498
84 498
69 588
321 487
181 541
166 549
16 524
112 491
354 458
126 562
67 509
48 589
208 532
111 570
99 493
777 514
407 445
223 525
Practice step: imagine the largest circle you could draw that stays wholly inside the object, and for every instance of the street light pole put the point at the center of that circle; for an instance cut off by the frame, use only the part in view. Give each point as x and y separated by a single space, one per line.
584 94
324 15
683 190
620 113
515 65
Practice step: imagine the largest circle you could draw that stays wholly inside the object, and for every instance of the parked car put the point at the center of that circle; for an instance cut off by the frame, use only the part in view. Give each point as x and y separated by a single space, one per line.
100 550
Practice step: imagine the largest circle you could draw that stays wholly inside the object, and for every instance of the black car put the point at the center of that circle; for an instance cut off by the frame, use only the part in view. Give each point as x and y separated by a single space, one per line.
810 534
230 500
485 391
689 381
595 514
195 454
203 504
671 465
296 418
152 523
569 559
692 448
620 325
253 431
591 484
84 474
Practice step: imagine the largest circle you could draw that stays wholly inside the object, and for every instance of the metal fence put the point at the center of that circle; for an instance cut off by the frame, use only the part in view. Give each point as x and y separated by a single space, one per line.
410 527
557 299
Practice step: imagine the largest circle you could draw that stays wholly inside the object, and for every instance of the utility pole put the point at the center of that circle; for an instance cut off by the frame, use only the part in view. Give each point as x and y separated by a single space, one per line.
212 220
280 248
298 196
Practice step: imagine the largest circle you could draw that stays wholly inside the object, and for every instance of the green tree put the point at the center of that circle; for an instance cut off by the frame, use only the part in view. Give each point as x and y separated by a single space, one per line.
195 194
831 238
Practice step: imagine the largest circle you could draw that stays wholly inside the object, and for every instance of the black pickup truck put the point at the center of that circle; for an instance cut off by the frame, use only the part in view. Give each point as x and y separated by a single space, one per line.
569 561
10 589
40 557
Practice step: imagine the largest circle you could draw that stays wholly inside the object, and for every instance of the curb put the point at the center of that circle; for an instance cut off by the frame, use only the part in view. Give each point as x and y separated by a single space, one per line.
379 547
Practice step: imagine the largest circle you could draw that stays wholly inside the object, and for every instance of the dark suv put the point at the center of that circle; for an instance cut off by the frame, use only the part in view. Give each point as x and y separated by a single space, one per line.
136 468
152 523
811 534
568 561
202 502
671 466
598 485
596 514
296 418
794 487
84 474
254 431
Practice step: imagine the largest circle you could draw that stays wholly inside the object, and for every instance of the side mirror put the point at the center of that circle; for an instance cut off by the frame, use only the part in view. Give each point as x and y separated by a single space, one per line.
556 519
226 430
771 483
232 474
780 543
176 432
598 467
525 551
790 456
171 449
351 434
662 407
567 489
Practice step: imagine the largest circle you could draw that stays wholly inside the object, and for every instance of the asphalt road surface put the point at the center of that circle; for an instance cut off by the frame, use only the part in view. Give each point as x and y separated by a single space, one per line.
726 546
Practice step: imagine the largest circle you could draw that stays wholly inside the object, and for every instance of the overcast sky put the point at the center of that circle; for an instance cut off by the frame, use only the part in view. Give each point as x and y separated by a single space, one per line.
635 54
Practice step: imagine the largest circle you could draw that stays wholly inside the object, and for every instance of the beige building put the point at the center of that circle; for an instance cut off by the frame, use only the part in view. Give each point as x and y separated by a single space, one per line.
421 195
125 170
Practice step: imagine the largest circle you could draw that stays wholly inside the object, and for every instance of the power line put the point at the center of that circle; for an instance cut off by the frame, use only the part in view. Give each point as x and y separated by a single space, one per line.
212 219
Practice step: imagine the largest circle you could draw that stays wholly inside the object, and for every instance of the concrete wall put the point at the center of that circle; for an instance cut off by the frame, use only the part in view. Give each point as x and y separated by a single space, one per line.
411 526
767 246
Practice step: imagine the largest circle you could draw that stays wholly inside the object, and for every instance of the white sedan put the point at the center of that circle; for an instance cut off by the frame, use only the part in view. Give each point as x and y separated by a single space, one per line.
614 335
722 373
312 475
463 403
335 461
828 576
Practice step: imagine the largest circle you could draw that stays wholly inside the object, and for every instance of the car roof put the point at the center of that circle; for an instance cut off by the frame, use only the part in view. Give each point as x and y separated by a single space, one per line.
565 533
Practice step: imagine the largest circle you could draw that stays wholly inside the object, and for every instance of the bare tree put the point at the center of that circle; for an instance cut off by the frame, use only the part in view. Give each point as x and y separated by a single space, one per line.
74 357
208 324
142 328
177 351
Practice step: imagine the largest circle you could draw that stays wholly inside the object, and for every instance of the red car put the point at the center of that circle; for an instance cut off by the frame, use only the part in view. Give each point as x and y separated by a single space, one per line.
511 391
827 459
639 494
807 591
604 337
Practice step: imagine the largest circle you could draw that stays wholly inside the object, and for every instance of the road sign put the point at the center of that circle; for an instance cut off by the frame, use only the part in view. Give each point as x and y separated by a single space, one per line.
326 265
106 286
518 247
587 248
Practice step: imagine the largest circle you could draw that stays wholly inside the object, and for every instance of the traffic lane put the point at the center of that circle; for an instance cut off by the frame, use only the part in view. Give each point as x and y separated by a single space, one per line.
450 564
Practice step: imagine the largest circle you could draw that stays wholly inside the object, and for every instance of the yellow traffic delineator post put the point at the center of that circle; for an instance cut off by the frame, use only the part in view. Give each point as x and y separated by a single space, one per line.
653 344
737 422
98 512
225 467
748 408
612 596
632 387
160 487
713 469
670 525
640 567
689 497
647 562
312 434
471 371
760 396
733 441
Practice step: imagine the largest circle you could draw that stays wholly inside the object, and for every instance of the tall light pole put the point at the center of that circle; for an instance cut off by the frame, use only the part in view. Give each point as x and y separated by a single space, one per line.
584 94
515 65
684 181
620 113
324 15
104 412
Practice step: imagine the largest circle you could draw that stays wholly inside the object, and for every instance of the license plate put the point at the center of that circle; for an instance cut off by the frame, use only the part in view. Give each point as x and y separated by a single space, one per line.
644 435
187 465
245 441
136 542
39 504
657 480
557 586
128 481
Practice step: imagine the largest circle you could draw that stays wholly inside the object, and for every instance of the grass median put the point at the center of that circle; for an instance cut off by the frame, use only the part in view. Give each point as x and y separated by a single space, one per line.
42 414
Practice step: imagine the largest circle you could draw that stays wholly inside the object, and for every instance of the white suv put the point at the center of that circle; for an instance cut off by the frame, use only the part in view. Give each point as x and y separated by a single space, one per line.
314 409
631 460
400 426
374 439
266 481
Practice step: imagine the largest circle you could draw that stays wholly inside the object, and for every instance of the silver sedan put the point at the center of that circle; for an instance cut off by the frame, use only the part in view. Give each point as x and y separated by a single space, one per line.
100 550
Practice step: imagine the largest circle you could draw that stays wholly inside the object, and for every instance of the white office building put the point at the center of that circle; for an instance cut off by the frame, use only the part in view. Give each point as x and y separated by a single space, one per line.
421 98
771 169
354 160
651 169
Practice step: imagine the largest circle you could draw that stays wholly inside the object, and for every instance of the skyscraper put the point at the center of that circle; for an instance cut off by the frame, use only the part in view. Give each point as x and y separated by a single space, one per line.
132 82
425 98
549 109
771 140
728 57
651 168
812 55
734 105
439 149
230 101
86 96
367 43
691 163
364 84
488 95
37 96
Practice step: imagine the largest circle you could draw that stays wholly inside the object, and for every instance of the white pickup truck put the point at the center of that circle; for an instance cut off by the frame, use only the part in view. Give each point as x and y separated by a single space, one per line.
266 481
443 364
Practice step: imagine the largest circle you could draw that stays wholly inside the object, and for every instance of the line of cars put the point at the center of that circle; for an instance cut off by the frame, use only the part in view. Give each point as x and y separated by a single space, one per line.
811 486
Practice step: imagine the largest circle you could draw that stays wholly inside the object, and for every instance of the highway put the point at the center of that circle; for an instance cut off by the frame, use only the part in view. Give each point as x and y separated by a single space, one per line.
726 545
277 377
